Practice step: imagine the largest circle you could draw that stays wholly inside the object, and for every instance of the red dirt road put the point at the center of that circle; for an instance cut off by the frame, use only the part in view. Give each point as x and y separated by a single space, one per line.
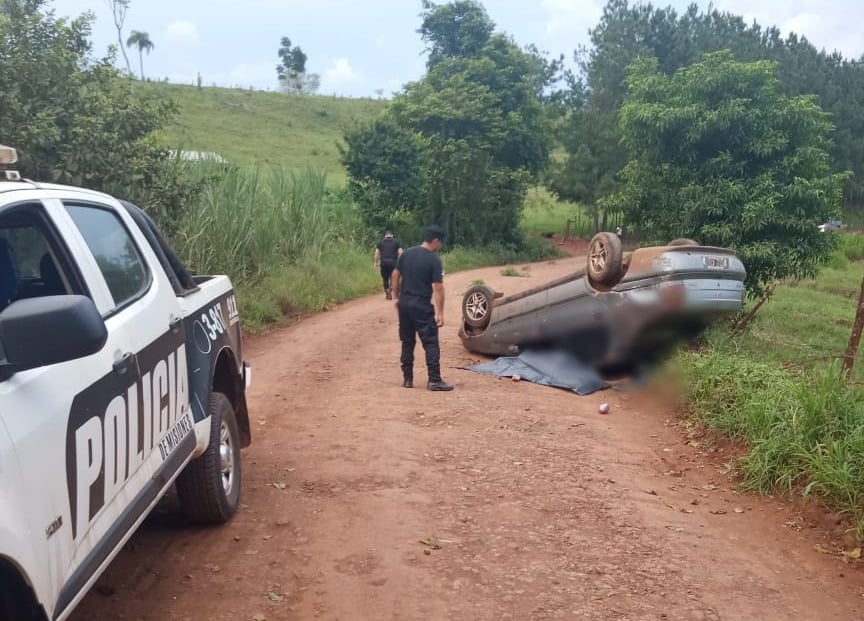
499 500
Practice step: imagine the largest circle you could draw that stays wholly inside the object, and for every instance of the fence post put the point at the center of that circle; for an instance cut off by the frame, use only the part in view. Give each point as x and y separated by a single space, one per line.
855 337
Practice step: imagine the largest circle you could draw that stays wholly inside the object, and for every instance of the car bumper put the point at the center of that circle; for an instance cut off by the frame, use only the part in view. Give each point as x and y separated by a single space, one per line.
688 295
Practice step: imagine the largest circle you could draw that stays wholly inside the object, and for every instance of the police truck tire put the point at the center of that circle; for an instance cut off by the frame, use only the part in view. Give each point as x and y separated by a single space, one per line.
209 486
15 606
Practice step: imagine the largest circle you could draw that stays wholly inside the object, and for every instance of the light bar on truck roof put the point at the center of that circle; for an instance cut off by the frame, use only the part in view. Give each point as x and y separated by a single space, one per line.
8 155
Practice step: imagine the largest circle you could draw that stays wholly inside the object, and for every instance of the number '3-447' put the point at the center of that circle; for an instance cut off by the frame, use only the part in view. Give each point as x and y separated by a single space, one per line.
213 321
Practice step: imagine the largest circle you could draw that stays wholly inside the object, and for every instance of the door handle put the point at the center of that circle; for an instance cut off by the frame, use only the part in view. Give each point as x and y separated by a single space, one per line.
122 364
175 323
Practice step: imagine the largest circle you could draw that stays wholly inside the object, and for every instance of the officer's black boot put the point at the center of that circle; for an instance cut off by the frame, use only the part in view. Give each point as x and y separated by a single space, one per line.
435 381
407 377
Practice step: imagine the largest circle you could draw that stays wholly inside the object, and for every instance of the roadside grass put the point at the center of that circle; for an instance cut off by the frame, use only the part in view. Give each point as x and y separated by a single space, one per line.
256 128
852 247
311 284
780 388
804 432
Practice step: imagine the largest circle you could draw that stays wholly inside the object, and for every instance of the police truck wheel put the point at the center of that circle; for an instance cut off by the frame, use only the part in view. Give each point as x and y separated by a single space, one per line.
17 606
477 306
605 258
209 486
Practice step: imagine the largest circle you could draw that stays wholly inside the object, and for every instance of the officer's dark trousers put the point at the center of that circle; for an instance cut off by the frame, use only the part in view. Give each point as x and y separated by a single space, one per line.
417 317
386 271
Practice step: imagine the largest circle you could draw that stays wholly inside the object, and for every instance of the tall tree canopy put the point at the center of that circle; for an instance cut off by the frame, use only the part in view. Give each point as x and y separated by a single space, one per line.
591 135
719 153
456 30
291 70
471 135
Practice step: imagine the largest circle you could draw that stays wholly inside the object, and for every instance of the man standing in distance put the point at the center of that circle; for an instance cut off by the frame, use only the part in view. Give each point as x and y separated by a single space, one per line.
418 284
386 253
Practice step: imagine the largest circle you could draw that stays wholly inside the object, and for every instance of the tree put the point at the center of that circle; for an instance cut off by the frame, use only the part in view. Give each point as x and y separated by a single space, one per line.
457 30
142 41
590 135
293 59
384 163
291 71
118 11
720 154
75 120
477 130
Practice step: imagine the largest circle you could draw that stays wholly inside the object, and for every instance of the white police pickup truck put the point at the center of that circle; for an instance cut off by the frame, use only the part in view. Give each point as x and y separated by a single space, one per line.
120 375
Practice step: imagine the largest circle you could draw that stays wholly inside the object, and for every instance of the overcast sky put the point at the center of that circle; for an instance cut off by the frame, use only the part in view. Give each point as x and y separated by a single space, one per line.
359 46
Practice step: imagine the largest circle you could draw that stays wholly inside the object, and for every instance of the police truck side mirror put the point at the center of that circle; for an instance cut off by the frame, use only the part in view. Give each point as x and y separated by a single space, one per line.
37 332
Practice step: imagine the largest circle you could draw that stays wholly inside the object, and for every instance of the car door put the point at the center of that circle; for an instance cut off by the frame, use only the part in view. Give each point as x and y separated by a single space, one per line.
63 477
145 420
157 335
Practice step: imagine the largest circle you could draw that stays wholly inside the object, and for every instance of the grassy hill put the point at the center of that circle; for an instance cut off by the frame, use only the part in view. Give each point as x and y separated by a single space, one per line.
261 128
256 127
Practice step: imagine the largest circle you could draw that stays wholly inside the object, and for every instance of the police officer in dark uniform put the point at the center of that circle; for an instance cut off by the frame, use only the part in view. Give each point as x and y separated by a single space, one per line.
418 284
387 252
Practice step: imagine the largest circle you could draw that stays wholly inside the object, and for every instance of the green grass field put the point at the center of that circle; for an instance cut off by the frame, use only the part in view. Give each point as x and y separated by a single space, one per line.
804 324
261 128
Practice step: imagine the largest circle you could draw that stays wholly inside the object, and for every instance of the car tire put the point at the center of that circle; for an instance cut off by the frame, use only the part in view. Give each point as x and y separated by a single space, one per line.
477 306
209 486
683 241
605 259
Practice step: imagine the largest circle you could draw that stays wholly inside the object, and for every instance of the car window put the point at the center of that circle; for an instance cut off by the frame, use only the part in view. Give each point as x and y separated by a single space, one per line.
29 246
116 253
29 265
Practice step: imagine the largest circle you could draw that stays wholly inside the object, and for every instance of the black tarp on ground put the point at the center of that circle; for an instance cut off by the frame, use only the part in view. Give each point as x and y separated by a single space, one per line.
549 368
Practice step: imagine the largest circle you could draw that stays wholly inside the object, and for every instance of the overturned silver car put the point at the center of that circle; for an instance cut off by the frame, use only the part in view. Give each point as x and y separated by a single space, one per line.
620 309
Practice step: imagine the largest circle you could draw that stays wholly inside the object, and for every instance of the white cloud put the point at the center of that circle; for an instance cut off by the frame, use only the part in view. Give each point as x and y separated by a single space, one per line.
181 31
339 76
827 25
570 18
825 33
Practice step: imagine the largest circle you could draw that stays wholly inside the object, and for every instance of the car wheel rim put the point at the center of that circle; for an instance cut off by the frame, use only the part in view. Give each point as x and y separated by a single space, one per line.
226 459
476 307
598 257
